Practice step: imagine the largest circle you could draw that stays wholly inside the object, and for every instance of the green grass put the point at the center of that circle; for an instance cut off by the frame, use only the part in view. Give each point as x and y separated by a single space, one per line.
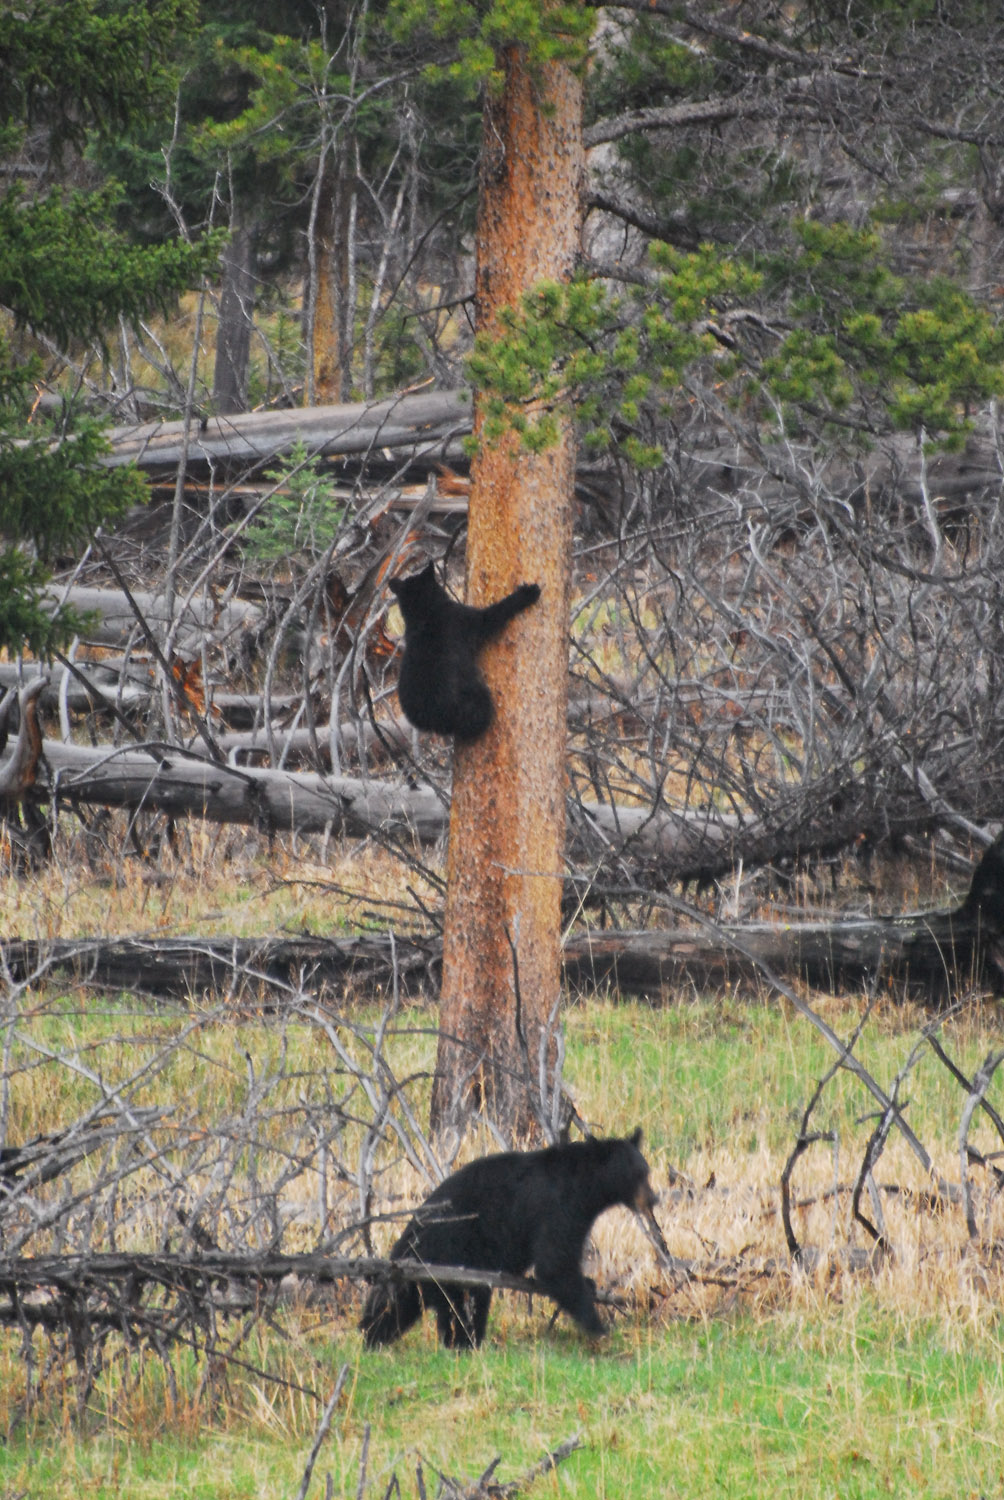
856 1406
733 1409
851 1385
699 1074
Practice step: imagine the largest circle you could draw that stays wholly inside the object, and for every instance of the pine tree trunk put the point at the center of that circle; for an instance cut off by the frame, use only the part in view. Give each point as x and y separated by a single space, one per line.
333 309
506 853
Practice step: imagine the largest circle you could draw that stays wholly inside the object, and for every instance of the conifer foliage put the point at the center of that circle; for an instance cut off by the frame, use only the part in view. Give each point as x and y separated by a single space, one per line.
70 72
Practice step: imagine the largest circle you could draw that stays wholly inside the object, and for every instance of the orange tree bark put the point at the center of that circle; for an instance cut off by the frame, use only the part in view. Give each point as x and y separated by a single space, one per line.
506 848
332 312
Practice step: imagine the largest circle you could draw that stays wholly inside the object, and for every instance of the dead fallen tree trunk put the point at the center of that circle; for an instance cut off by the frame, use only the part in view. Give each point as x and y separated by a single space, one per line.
427 423
197 621
664 843
243 968
676 845
179 782
182 783
127 683
432 424
932 954
169 780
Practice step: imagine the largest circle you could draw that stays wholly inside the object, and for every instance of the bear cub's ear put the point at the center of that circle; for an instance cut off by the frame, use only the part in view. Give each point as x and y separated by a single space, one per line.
636 1138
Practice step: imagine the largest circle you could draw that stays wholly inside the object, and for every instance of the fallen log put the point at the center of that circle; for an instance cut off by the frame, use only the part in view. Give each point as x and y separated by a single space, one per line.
113 1282
92 685
197 620
355 737
665 843
181 782
127 682
932 955
432 423
178 783
429 423
242 968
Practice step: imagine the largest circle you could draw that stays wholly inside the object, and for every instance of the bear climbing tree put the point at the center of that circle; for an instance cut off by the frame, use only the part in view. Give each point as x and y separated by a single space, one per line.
439 685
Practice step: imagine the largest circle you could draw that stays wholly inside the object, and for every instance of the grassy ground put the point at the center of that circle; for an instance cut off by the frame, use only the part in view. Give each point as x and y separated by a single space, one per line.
748 1382
799 1404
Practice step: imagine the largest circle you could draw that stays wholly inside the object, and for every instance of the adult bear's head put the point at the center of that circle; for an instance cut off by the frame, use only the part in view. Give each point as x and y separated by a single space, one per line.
623 1173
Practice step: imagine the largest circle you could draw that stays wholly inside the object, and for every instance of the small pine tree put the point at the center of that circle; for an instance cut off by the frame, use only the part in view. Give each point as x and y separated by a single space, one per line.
301 517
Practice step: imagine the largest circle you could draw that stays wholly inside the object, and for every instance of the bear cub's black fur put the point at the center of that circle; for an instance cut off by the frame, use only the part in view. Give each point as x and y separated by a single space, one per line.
508 1213
440 687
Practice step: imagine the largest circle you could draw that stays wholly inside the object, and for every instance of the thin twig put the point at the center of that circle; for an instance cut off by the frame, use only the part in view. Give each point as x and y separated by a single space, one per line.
322 1431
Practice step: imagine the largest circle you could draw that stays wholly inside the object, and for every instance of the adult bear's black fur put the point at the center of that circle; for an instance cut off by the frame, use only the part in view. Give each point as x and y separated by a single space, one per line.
440 687
508 1213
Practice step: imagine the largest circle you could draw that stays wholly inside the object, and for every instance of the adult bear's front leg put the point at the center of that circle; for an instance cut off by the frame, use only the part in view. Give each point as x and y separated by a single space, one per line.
573 1293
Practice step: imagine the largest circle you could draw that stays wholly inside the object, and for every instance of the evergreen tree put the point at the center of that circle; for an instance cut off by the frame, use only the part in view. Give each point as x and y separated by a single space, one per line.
71 71
507 828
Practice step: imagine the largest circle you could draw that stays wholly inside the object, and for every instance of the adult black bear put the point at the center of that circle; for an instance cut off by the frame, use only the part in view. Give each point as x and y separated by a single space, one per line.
439 687
508 1213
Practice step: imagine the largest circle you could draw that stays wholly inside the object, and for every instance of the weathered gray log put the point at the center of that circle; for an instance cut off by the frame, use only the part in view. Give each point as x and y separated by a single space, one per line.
432 423
680 844
934 955
200 619
355 737
127 682
424 423
243 710
686 842
93 685
237 967
180 784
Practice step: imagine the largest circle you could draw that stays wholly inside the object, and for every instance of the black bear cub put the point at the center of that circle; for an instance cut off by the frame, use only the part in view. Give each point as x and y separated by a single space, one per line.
440 687
508 1213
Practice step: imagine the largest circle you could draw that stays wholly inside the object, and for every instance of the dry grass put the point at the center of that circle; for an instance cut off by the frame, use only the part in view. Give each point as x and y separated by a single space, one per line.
206 880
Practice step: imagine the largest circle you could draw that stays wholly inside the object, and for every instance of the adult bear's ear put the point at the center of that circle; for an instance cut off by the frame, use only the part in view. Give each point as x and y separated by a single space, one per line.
636 1138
